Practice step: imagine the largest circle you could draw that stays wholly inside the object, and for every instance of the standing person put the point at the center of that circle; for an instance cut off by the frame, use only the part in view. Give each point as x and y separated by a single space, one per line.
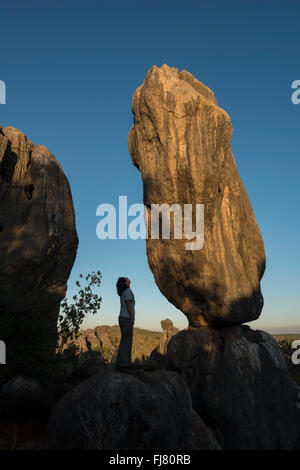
126 322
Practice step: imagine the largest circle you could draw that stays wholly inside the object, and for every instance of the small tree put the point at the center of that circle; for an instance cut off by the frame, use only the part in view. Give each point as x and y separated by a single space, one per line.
73 314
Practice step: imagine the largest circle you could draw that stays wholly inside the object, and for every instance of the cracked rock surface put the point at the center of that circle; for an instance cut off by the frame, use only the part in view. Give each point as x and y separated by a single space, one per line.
240 386
38 239
180 142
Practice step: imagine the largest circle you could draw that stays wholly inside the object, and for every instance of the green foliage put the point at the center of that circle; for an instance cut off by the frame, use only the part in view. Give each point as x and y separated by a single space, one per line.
73 314
36 344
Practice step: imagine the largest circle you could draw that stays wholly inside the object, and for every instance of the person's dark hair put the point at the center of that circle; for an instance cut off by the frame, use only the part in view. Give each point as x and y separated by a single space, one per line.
121 285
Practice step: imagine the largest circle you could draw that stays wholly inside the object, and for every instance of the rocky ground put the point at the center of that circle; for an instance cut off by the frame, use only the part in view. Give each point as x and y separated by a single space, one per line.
26 404
149 346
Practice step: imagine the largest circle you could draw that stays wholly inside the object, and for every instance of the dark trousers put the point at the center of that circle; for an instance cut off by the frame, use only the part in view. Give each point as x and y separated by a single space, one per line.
125 346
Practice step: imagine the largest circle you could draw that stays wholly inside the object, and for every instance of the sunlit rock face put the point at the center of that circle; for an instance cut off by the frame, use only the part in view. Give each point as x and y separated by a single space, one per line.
38 239
180 142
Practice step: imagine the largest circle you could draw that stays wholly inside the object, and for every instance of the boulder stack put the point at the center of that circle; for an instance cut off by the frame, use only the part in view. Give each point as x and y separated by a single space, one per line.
180 142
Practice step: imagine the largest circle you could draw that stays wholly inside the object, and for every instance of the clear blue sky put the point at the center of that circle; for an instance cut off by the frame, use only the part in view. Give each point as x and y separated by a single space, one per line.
71 68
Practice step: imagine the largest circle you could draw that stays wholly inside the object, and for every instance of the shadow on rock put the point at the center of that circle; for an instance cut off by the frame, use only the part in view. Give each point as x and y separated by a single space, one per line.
140 410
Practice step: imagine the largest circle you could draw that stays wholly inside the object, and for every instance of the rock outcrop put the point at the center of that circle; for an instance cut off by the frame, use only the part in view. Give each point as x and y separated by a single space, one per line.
141 410
106 339
38 240
180 142
239 385
24 398
169 330
91 365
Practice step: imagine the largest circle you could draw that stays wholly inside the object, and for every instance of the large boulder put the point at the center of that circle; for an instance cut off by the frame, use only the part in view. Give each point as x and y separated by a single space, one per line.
180 142
27 398
38 240
239 385
140 410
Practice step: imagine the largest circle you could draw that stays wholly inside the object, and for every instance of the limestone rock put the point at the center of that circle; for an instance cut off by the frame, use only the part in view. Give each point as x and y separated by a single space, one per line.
180 142
239 385
203 437
141 410
28 398
91 365
38 240
105 336
106 339
169 330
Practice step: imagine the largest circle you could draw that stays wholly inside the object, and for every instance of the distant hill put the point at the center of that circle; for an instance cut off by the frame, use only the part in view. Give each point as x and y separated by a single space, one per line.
287 336
106 339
